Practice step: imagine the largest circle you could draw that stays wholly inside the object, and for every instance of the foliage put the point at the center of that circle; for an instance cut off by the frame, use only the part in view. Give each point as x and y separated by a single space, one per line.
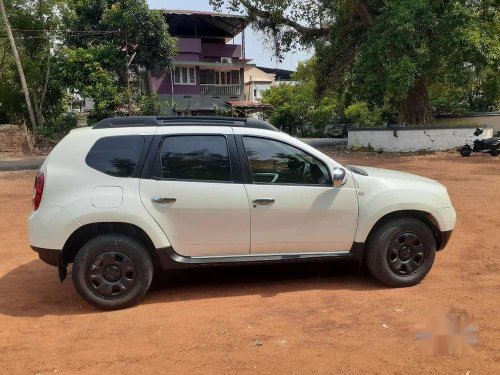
393 54
37 48
360 114
126 27
122 23
11 96
60 126
473 92
81 71
149 105
296 107
291 104
81 48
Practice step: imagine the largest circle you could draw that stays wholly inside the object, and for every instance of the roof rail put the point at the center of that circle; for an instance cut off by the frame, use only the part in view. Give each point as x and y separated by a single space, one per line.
139 121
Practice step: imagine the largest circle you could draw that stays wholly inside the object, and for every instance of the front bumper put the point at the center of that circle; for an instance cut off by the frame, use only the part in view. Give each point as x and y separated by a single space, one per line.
445 238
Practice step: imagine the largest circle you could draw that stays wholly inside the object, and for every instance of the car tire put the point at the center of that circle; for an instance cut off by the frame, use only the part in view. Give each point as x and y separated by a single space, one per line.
401 252
494 152
112 271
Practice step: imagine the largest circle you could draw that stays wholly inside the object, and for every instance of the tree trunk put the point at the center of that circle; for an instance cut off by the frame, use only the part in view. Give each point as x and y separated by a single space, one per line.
19 66
415 109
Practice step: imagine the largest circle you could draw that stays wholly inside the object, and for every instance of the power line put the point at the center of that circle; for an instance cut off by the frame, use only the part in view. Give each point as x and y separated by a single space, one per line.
46 37
69 31
94 34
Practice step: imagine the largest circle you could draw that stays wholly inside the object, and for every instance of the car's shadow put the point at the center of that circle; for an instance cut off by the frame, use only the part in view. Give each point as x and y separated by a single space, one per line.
33 290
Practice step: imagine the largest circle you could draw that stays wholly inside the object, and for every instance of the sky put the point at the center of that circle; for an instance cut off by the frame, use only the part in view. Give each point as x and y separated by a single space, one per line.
257 48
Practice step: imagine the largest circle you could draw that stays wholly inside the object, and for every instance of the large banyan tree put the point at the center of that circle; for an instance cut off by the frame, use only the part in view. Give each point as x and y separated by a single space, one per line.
385 52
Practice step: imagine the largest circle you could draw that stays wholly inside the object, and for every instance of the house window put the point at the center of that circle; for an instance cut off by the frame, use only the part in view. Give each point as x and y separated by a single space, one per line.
217 77
185 76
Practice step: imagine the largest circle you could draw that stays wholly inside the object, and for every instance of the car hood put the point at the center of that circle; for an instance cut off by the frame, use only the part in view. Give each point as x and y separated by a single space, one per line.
388 174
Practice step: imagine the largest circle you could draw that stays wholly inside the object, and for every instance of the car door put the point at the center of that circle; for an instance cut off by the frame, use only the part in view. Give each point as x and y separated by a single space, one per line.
294 206
196 193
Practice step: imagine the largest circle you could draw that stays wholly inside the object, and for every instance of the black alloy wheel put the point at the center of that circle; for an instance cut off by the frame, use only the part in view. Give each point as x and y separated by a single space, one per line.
112 271
406 254
400 252
111 275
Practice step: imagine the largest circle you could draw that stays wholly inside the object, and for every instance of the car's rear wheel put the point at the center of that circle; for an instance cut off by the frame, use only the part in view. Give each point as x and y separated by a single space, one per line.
112 271
401 252
494 152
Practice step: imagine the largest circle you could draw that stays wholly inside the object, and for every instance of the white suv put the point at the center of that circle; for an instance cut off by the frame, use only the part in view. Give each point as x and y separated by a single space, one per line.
132 193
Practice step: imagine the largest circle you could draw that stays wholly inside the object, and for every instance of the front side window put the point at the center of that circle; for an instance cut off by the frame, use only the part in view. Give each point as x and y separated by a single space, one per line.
116 156
195 157
274 162
185 76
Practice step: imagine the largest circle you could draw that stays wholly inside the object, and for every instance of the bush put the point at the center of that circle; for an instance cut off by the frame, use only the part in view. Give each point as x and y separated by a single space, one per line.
360 114
149 105
60 126
323 113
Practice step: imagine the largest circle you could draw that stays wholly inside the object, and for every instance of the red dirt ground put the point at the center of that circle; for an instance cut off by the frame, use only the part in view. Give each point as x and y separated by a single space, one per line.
294 319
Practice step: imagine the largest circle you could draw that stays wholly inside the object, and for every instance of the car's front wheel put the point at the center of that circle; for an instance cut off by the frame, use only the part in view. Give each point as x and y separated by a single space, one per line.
401 252
112 271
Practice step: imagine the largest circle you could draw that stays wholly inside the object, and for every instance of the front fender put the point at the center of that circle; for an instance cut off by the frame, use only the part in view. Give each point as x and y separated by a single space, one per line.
373 207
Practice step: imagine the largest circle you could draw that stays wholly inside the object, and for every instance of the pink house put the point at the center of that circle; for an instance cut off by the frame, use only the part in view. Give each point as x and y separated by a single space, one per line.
208 73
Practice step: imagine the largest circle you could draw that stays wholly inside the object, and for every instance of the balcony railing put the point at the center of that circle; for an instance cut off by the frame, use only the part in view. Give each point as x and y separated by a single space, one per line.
221 90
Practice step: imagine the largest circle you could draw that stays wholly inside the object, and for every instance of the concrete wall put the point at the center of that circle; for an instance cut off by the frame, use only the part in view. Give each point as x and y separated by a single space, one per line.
414 139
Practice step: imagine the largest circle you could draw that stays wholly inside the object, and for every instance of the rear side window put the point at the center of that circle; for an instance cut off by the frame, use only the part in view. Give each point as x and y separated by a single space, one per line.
116 156
195 157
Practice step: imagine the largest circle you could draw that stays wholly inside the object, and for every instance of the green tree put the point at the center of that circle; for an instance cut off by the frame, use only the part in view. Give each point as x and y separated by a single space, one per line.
392 53
113 33
360 114
37 46
118 25
291 105
80 69
297 105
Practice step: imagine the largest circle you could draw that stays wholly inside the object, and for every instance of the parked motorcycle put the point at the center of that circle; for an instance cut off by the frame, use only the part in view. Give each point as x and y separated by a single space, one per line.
489 145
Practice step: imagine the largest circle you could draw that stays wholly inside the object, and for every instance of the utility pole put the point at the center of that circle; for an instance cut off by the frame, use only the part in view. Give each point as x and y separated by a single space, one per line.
19 67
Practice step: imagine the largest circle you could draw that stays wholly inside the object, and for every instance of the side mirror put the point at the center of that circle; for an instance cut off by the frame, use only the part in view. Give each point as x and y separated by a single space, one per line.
338 177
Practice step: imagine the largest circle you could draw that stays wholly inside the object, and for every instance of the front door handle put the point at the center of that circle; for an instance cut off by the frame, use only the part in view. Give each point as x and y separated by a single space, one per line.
263 201
163 200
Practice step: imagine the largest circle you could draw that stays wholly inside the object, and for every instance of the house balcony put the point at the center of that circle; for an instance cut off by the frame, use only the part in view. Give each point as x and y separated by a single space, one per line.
221 90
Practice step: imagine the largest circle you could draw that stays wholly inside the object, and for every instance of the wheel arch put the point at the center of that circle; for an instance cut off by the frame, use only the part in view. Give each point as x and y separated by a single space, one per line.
86 232
427 218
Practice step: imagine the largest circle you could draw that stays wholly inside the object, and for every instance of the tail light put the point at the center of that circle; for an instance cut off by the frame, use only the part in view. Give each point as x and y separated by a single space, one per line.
38 190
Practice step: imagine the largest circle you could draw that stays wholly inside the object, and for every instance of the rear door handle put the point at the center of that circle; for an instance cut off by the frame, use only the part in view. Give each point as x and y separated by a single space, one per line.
263 201
163 200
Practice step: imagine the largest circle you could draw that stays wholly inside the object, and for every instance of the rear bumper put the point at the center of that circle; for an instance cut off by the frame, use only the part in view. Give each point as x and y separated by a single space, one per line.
445 238
49 256
49 227
53 258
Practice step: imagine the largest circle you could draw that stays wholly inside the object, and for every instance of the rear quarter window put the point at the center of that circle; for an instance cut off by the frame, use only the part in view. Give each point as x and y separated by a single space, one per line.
116 156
